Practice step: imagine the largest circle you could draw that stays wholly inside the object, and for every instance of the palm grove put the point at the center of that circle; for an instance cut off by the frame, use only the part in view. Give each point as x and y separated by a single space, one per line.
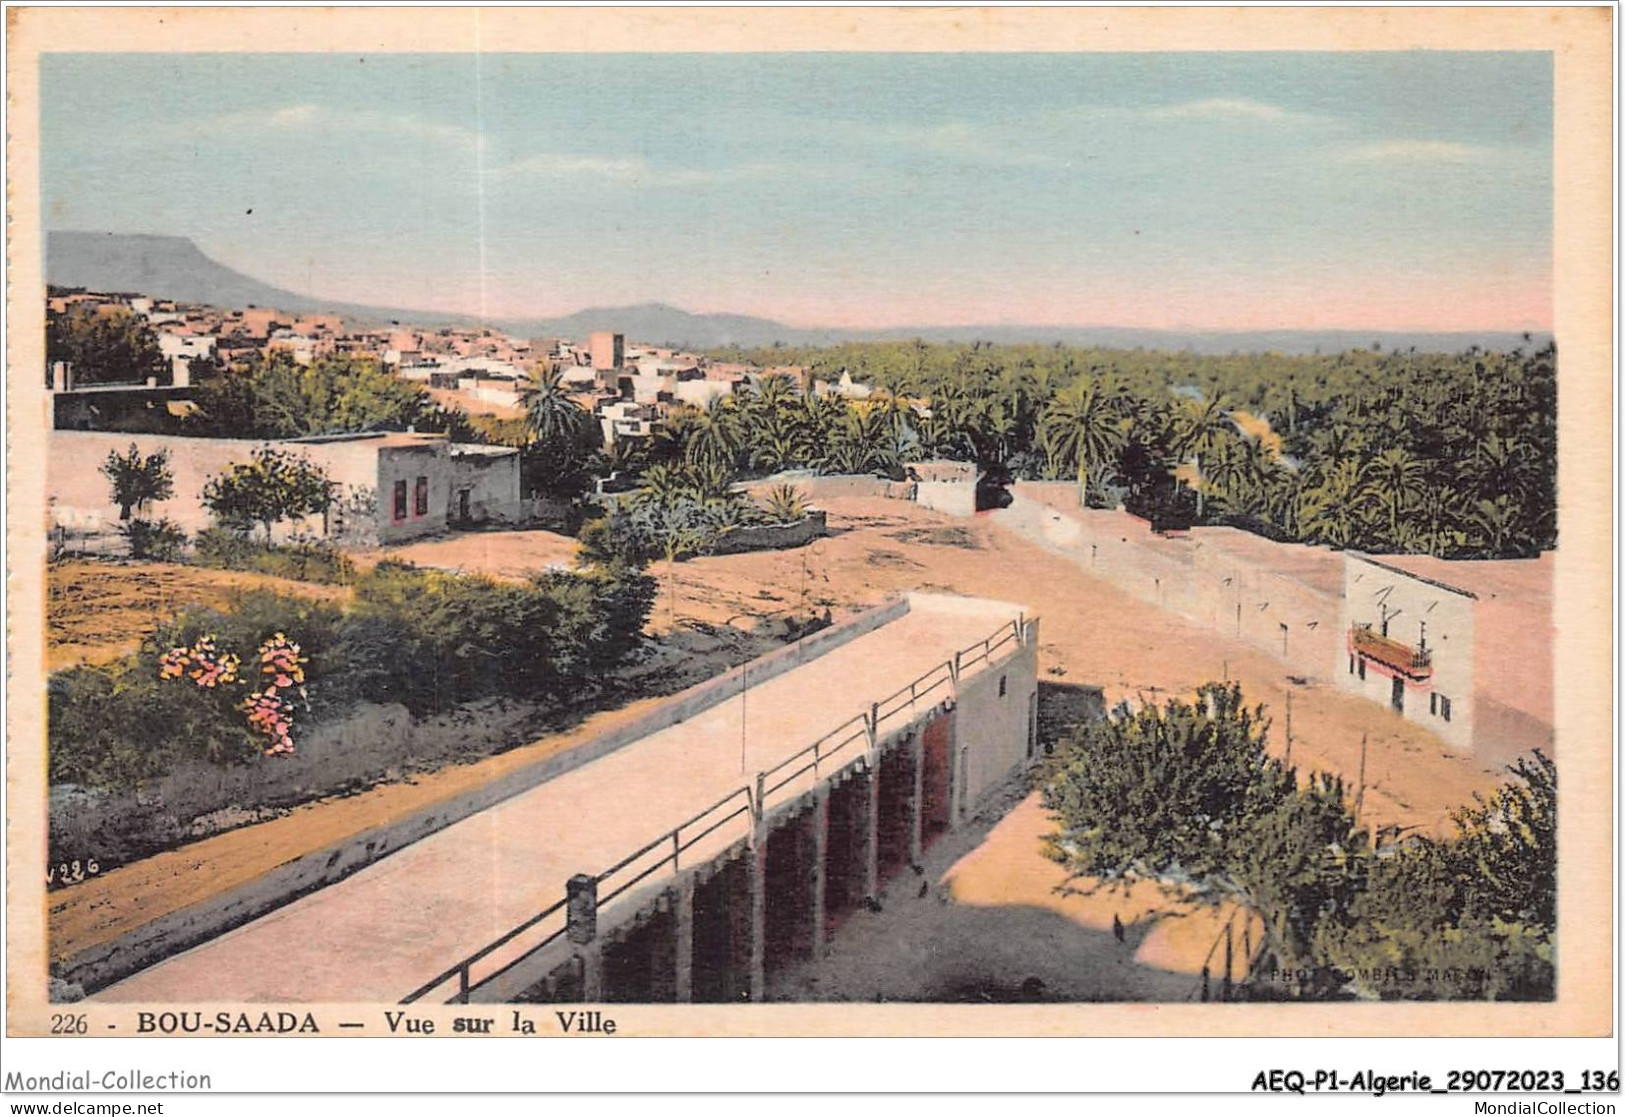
1445 454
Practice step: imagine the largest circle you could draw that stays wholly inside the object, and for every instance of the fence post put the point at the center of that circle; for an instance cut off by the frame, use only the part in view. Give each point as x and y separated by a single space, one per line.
761 793
581 908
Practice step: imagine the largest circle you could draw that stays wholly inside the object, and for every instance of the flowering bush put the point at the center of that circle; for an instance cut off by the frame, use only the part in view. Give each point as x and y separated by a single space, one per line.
202 663
269 712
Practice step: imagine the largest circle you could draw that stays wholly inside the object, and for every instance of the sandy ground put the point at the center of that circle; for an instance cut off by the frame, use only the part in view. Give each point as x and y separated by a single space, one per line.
1091 635
97 611
989 920
505 554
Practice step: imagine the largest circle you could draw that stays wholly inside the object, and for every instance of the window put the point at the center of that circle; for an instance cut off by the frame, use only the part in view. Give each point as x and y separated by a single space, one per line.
420 500
1433 703
1444 707
1362 666
400 500
1351 665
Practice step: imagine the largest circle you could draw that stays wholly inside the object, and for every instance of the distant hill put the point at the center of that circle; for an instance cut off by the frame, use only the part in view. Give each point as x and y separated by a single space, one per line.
174 268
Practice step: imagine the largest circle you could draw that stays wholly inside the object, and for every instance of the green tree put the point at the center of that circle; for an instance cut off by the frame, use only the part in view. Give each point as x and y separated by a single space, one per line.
1083 426
1400 479
550 412
108 345
137 479
1162 792
276 397
271 487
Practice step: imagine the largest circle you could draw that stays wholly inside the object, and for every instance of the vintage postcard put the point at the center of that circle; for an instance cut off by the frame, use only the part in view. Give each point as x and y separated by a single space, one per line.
810 522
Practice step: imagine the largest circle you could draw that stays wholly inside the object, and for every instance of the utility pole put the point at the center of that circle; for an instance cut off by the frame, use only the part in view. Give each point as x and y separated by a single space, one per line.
1359 799
1289 728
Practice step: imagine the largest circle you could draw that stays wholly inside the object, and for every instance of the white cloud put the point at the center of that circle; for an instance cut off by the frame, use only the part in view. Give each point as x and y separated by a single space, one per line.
1229 109
631 170
572 166
1416 151
292 115
310 117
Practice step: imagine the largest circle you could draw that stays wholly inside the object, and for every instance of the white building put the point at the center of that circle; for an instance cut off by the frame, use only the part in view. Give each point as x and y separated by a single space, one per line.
1410 645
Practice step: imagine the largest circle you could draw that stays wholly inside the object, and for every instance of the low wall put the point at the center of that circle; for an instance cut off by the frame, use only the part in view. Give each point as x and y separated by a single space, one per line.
196 799
772 537
102 965
1241 586
956 498
815 486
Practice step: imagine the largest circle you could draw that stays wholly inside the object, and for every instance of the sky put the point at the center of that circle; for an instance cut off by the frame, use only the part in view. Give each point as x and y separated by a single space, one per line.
1402 191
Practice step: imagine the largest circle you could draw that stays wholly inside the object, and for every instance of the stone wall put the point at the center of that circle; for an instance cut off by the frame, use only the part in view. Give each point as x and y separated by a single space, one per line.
772 537
1284 598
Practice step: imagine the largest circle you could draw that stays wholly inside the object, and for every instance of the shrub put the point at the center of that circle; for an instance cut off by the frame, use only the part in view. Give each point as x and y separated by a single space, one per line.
1186 795
273 486
785 504
120 724
304 560
162 540
138 480
424 638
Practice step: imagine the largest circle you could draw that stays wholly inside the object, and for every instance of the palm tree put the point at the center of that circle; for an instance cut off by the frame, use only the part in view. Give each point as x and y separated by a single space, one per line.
1399 477
550 413
1198 426
663 485
714 437
1335 509
1082 425
1497 521
777 445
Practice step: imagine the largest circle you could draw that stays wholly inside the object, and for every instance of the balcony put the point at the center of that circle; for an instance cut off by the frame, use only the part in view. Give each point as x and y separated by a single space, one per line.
1413 663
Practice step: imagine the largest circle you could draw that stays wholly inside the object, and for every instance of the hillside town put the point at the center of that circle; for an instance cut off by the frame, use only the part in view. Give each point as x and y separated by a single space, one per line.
629 388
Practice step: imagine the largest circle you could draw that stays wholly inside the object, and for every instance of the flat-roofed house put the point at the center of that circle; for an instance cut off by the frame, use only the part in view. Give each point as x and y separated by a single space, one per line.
389 486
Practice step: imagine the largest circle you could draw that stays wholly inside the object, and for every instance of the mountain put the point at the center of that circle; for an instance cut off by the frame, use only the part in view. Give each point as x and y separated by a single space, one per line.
174 268
657 323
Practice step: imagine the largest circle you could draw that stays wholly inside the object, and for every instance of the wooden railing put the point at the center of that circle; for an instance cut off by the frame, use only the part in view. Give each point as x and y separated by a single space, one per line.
1415 662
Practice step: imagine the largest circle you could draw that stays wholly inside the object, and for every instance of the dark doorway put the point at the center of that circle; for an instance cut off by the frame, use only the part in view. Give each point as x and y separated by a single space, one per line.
791 868
1398 695
993 488
721 951
936 749
895 832
463 515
